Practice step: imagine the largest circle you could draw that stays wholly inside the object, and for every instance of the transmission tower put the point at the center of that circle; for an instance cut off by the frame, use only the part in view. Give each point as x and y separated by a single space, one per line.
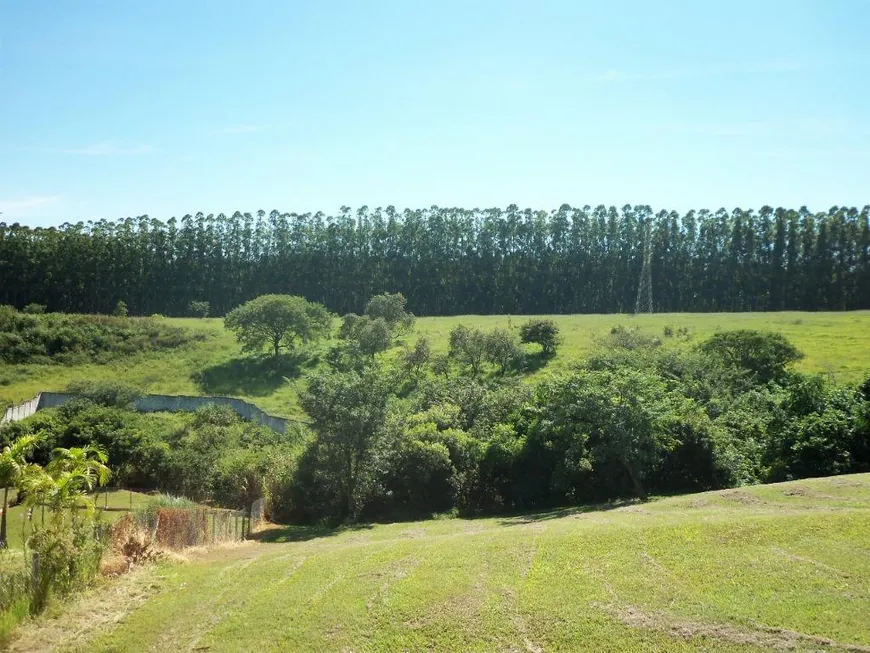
644 303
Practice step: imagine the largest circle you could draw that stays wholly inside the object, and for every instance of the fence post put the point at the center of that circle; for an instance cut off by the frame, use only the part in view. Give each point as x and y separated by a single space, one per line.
131 500
213 529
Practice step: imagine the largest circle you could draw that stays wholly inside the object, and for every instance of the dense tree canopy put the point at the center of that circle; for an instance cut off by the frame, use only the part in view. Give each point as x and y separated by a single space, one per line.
448 260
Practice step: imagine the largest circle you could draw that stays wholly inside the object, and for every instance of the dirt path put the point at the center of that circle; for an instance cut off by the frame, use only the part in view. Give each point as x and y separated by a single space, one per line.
99 610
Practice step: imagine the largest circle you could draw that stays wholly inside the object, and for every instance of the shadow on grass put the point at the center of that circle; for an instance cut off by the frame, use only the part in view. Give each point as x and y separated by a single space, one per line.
255 376
277 534
558 513
531 363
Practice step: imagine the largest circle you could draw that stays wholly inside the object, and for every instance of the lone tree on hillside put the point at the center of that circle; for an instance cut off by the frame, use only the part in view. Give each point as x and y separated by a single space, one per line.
391 307
278 322
763 355
541 332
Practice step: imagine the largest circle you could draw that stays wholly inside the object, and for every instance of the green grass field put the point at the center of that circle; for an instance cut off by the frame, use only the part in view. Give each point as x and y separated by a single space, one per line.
837 344
778 567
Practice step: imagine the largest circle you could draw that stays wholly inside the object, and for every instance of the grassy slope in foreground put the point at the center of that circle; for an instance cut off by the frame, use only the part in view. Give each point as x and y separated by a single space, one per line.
835 343
767 567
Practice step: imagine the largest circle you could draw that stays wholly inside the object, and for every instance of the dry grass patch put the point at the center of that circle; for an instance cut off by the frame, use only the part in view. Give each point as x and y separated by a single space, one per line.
95 612
774 639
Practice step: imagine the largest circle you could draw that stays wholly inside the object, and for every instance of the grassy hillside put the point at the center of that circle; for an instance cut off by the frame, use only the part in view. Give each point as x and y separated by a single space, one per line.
770 567
834 343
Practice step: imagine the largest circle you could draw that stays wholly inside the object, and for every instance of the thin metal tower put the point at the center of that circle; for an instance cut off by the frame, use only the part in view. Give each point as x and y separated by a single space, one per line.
644 303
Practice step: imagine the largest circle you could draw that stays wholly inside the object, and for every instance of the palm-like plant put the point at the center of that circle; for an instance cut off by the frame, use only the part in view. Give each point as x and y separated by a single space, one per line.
13 468
67 478
85 465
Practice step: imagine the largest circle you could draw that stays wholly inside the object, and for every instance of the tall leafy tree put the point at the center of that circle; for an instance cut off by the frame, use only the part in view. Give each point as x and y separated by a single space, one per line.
348 412
277 322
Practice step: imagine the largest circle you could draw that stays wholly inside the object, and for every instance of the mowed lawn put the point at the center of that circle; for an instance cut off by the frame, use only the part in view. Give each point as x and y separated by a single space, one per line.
836 344
779 567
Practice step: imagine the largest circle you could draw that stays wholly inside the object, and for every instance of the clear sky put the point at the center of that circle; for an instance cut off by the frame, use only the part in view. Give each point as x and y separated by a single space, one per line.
110 109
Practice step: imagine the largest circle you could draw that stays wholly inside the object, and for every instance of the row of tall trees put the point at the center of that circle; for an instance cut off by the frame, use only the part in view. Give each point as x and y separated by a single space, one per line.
448 260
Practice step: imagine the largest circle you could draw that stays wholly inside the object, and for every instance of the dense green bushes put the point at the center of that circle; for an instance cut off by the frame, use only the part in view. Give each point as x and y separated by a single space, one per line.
72 339
106 393
211 456
637 417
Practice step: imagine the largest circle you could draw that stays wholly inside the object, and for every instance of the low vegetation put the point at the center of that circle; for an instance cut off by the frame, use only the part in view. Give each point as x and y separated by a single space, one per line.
32 337
634 418
62 554
402 435
61 538
834 344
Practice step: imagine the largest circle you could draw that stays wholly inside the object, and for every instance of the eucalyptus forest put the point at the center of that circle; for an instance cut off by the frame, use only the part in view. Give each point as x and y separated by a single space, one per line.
448 261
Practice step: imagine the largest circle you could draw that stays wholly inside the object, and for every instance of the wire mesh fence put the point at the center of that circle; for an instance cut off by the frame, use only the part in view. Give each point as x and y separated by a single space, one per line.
177 528
168 526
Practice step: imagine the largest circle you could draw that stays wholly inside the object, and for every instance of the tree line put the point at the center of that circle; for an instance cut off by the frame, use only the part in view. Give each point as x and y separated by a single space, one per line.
448 260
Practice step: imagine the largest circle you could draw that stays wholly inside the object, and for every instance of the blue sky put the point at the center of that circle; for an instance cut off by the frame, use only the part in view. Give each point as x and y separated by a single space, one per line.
112 109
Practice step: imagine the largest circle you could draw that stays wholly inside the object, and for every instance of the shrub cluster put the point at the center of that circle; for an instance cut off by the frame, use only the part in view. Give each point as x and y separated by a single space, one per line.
32 337
69 559
634 419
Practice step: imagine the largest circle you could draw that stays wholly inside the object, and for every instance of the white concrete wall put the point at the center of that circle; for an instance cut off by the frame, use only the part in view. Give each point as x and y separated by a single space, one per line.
19 412
157 403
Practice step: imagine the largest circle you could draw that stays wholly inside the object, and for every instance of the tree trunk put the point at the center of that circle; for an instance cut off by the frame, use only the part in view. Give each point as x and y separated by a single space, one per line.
635 481
350 483
3 543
